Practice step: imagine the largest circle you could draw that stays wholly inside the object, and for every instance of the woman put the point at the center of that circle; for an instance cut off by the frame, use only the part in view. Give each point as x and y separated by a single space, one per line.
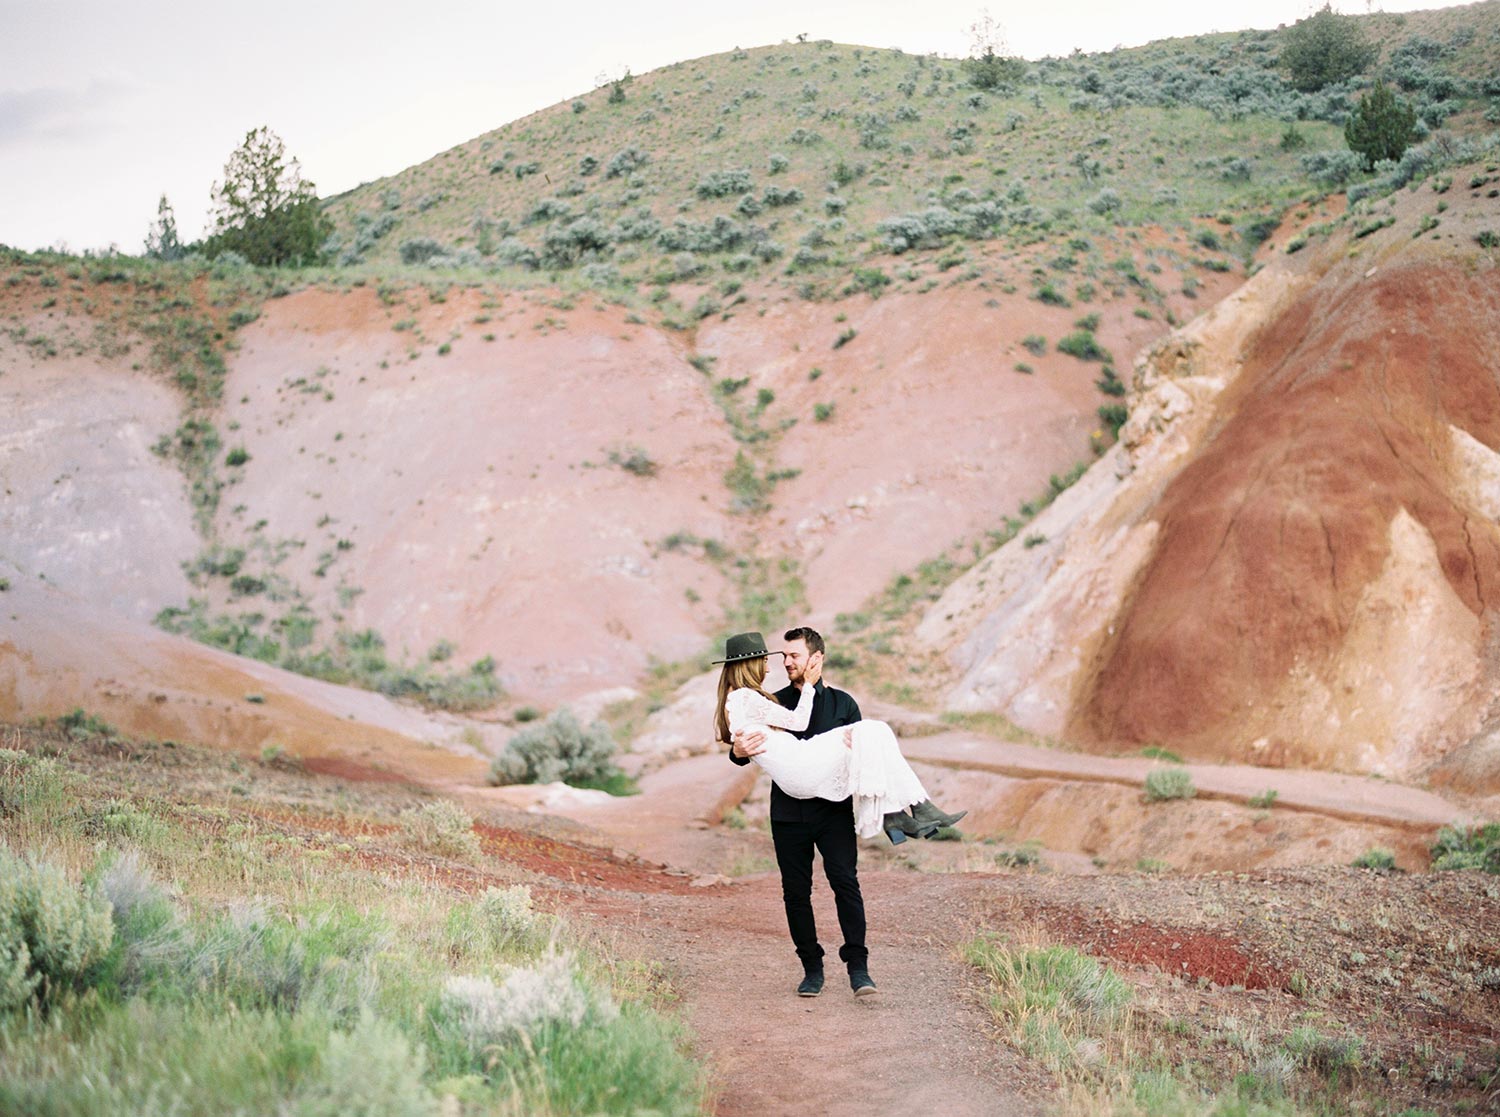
862 760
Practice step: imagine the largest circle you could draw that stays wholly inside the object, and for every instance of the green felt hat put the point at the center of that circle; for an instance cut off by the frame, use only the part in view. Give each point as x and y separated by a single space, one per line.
743 645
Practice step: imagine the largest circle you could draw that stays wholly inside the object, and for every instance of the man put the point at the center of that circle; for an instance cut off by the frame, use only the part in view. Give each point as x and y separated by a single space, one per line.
798 826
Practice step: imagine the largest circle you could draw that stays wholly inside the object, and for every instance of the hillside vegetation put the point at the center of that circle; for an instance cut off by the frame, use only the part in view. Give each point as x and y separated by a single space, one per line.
221 937
810 165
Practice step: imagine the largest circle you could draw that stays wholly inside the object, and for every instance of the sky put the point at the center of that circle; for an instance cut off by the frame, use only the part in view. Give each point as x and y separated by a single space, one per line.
105 105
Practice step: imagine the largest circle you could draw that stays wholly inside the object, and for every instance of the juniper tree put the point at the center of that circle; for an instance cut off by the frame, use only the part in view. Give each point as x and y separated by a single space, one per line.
1325 48
264 209
1381 128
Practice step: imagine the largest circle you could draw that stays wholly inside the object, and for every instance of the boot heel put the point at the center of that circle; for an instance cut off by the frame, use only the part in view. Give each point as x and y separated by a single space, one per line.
896 836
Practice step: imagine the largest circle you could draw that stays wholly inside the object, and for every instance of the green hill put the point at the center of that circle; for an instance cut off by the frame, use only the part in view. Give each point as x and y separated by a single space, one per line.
809 165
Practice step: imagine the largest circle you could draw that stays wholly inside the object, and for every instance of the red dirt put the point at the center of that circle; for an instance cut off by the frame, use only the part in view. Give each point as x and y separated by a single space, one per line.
1173 950
344 769
579 863
1271 535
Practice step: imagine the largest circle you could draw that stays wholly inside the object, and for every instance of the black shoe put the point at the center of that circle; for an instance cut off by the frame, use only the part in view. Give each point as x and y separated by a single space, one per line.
812 984
862 984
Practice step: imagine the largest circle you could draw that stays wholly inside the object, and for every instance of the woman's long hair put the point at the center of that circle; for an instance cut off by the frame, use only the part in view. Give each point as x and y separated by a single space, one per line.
741 673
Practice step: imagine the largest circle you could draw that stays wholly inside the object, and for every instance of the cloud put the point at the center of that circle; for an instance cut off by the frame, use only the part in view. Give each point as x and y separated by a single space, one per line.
60 112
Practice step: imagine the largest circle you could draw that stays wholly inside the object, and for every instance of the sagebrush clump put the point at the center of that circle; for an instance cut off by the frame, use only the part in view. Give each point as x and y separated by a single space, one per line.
52 933
1169 783
557 749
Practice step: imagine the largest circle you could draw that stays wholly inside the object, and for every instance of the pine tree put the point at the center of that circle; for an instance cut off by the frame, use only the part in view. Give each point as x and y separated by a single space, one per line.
161 238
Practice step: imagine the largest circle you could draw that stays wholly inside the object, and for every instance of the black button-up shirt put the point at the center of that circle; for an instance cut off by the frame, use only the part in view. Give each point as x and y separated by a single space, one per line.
832 709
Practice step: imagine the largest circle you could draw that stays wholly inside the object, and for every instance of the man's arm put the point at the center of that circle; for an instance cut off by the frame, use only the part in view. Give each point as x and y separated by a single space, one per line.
745 744
845 713
848 709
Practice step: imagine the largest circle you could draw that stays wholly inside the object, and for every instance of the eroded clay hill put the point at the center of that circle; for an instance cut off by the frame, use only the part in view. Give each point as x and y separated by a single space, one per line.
1293 557
540 478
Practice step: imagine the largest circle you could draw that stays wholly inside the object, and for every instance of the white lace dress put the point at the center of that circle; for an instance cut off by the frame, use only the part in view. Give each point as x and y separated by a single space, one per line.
871 769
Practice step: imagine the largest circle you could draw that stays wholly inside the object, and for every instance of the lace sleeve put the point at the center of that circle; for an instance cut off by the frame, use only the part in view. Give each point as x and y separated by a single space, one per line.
746 707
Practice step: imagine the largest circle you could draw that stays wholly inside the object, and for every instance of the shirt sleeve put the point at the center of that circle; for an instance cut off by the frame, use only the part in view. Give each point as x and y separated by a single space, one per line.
745 707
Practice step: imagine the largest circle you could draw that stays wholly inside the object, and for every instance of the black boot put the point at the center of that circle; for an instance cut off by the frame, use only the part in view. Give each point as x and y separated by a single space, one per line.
862 984
812 983
899 826
930 818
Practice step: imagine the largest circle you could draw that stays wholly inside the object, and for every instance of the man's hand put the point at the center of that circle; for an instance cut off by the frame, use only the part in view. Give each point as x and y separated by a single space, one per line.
748 743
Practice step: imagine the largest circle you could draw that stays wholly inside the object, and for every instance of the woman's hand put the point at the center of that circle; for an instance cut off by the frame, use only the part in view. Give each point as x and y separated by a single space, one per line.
848 736
813 671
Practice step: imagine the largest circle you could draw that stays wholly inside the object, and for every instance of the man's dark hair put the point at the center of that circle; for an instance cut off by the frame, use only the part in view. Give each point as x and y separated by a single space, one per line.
808 636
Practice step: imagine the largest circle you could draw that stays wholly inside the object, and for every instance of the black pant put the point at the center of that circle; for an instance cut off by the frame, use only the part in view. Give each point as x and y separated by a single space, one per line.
834 839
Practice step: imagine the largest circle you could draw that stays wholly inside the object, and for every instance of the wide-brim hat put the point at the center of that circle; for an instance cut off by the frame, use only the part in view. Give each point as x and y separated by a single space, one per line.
743 645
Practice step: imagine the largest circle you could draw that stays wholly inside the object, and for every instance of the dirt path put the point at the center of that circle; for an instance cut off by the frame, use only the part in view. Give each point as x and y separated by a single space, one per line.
925 1043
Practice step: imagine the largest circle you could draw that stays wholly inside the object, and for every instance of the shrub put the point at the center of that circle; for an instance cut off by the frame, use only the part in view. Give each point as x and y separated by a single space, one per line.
1331 168
775 164
635 460
993 71
1106 201
1035 344
776 196
1325 48
237 456
1327 1054
1468 847
1109 383
499 919
419 250
52 934
1169 783
564 245
513 250
1377 858
557 749
721 184
822 412
1083 345
441 827
626 162
77 723
719 235
529 998
372 1069
640 225
30 785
